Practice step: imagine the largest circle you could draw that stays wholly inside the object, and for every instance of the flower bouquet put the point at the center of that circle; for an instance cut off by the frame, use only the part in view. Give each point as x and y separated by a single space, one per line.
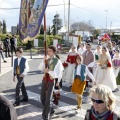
65 64
105 38
109 64
106 65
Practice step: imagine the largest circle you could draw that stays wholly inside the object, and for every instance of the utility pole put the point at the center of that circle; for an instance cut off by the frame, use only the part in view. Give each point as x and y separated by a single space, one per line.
106 18
110 26
64 12
68 19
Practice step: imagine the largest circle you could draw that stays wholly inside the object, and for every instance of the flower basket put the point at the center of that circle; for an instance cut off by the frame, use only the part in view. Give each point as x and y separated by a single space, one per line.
65 64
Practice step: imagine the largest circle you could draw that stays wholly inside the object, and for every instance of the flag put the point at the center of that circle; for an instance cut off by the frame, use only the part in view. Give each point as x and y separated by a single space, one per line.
31 15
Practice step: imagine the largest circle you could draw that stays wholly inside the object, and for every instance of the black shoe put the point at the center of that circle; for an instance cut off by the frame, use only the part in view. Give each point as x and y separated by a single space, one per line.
52 112
24 100
16 104
116 90
9 55
4 61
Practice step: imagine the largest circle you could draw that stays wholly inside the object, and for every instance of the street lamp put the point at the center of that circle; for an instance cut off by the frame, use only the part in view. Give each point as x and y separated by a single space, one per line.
106 17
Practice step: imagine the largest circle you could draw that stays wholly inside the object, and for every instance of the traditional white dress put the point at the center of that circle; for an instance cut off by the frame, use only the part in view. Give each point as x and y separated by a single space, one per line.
96 54
68 74
104 75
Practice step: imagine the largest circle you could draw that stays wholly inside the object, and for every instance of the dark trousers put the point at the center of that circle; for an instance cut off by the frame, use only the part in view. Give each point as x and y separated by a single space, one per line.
7 51
1 52
13 49
46 97
20 85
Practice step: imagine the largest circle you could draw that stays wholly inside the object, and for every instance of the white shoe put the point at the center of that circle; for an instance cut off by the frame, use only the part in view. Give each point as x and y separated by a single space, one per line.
78 110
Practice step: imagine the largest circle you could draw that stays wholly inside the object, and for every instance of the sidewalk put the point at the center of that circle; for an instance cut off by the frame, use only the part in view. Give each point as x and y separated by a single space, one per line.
6 67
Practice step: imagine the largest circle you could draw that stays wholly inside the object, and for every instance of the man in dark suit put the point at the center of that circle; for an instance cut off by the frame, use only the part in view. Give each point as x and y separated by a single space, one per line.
12 42
7 46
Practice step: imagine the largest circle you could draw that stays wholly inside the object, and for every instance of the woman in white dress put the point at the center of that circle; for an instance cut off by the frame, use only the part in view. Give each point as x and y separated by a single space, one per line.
97 53
81 49
116 62
104 71
68 74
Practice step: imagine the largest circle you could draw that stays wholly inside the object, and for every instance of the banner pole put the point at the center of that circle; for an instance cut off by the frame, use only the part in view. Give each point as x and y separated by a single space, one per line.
45 42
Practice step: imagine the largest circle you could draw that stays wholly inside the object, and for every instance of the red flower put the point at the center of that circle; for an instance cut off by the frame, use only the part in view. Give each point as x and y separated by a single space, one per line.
65 64
109 64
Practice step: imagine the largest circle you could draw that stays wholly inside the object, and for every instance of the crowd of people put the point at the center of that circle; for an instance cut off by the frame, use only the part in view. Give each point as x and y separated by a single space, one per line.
9 45
81 67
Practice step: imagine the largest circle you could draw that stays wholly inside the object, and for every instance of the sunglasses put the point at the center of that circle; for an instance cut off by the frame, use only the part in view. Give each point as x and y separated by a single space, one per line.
97 101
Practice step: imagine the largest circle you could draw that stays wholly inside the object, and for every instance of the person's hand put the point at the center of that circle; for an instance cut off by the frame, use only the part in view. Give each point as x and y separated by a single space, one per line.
116 67
14 78
46 70
46 58
21 75
58 92
94 82
57 84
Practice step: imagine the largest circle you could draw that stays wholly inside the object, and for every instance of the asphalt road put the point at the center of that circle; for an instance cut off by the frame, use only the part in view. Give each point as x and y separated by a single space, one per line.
33 80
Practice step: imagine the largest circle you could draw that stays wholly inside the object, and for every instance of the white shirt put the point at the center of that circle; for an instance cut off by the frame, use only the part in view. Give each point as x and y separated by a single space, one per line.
57 72
26 66
78 71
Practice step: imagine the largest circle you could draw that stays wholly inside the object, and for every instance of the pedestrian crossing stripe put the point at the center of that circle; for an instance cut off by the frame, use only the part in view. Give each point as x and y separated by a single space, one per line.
64 106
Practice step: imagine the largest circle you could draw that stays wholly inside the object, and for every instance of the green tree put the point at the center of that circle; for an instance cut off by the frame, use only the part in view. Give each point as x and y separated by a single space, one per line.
57 24
4 31
42 29
82 26
17 33
32 1
49 31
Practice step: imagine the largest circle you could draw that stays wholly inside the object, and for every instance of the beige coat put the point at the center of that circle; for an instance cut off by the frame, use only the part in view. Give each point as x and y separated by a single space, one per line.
87 59
11 107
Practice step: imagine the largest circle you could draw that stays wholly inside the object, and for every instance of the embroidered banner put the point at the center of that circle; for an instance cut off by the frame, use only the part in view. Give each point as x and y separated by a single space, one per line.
31 15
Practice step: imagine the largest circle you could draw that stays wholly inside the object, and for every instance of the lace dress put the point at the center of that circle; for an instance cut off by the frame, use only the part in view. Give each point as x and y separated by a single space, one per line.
104 74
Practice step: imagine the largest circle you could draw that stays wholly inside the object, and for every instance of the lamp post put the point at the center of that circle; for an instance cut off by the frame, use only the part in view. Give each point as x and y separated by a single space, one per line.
106 17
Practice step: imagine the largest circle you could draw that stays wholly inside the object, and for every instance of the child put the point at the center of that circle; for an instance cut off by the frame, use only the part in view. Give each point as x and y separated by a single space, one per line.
78 86
53 70
20 69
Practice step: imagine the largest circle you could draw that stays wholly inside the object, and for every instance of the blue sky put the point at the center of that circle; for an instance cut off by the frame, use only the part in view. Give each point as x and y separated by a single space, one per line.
81 10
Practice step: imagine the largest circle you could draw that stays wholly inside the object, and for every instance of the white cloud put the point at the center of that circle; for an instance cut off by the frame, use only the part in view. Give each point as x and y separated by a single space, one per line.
87 10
